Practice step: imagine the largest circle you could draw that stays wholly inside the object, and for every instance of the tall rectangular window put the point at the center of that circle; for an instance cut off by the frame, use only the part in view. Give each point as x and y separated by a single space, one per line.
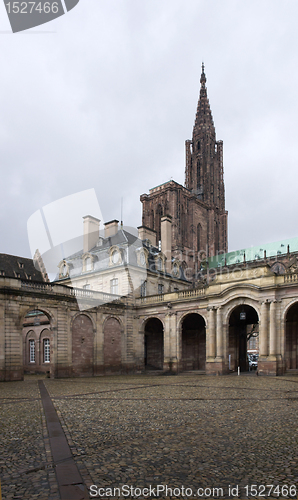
46 350
114 286
144 289
160 288
32 351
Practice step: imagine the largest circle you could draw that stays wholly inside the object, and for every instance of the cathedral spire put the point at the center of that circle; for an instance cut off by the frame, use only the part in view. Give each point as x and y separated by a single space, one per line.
203 77
204 120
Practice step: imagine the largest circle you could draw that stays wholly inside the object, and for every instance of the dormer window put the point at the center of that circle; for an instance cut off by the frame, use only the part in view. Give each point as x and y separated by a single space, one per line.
63 270
115 256
175 270
21 265
87 263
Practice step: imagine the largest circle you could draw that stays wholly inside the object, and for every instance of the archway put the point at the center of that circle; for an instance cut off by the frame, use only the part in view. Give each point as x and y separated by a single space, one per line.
193 342
82 346
112 345
154 353
243 322
291 354
37 342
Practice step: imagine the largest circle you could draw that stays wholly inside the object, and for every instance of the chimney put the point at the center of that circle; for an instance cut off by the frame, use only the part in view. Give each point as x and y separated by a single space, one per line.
91 232
147 234
166 240
111 228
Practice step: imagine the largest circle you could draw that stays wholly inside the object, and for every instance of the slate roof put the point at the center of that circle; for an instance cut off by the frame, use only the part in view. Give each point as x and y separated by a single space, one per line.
12 266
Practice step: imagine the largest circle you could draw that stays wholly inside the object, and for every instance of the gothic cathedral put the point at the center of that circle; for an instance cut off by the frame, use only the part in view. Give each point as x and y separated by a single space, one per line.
197 211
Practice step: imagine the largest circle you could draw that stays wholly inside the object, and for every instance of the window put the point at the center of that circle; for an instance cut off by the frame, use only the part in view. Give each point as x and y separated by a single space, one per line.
46 350
114 286
144 289
2 273
21 265
88 263
160 288
31 351
87 287
159 264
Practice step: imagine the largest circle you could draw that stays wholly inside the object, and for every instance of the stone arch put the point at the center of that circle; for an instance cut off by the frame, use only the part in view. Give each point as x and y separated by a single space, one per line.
112 350
290 319
242 320
85 313
153 343
34 320
31 335
192 329
82 345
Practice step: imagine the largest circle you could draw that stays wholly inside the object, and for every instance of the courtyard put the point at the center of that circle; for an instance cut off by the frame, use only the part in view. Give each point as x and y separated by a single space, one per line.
143 436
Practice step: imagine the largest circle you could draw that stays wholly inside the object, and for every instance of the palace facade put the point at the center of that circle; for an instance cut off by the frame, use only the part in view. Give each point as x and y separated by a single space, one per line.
168 297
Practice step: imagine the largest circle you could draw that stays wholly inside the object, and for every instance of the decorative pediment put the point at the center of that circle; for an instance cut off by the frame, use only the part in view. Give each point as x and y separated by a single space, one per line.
293 267
278 268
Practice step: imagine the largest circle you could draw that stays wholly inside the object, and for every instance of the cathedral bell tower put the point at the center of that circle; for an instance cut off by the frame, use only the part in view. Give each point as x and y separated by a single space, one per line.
204 171
204 156
197 210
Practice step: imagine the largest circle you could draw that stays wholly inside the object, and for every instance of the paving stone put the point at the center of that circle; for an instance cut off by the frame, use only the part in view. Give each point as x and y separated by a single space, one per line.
192 431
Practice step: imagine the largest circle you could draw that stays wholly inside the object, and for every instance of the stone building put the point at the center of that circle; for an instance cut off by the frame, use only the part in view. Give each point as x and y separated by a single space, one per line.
197 210
168 297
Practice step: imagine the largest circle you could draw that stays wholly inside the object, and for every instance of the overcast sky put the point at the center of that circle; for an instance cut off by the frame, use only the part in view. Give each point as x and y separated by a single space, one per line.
105 96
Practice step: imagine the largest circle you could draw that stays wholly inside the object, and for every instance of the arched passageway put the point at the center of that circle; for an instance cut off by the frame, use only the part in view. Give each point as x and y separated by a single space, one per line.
153 344
37 342
193 342
82 346
243 322
291 354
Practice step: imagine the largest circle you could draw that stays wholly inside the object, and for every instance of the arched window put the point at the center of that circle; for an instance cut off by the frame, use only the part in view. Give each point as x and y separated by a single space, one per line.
198 174
216 238
159 214
46 350
144 289
199 237
31 351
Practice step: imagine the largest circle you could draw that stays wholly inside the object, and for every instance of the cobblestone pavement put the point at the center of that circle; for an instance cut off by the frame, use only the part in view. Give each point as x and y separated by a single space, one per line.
188 431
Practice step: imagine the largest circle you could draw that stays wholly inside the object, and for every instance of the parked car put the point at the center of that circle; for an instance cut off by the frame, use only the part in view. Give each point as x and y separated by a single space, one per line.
253 361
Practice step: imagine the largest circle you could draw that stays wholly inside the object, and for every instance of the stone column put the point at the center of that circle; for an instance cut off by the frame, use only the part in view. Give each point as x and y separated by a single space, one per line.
264 330
211 336
272 333
219 334
166 342
174 342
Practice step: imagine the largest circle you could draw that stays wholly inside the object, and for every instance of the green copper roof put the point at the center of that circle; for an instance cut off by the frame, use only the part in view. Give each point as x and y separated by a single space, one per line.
255 253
